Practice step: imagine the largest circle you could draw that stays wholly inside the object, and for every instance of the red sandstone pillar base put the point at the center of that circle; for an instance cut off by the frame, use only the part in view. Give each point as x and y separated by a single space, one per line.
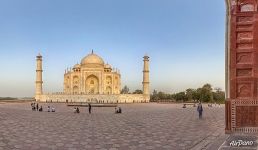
241 115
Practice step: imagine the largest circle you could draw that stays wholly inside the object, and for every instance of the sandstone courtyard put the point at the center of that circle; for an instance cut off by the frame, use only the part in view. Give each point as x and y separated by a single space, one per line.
139 127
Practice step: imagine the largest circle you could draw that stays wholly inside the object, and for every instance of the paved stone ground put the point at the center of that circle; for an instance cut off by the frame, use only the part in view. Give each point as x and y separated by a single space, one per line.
139 127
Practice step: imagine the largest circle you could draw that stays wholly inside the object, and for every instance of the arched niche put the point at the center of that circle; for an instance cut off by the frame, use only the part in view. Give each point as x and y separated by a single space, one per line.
76 90
108 90
247 6
75 79
108 80
92 85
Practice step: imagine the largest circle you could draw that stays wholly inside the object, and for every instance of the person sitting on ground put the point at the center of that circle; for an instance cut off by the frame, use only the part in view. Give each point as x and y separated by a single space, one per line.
74 110
40 109
118 110
48 108
77 110
53 109
184 106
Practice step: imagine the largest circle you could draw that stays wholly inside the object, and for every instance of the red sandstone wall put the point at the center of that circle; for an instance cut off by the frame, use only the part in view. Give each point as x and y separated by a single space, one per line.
243 51
242 108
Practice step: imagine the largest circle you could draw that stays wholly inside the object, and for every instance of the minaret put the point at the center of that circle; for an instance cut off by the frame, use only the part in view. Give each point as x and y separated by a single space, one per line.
146 81
39 81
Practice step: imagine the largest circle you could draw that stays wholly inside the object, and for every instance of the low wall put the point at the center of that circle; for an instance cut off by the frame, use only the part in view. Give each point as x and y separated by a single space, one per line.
118 98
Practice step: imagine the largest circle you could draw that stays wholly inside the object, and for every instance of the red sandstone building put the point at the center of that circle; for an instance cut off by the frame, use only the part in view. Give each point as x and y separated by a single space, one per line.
242 66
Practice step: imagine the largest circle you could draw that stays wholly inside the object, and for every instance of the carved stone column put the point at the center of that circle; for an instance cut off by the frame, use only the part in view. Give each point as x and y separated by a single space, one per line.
241 66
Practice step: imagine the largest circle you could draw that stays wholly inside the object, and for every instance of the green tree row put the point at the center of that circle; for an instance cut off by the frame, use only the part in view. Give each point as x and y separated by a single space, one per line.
126 90
204 94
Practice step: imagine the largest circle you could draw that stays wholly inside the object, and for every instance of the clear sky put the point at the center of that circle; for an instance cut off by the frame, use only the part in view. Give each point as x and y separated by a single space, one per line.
184 39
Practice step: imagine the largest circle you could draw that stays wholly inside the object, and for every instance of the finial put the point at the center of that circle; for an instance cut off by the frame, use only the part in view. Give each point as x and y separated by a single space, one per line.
39 56
146 56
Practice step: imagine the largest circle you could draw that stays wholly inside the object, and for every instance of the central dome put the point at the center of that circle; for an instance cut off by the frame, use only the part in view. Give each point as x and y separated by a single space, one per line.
92 59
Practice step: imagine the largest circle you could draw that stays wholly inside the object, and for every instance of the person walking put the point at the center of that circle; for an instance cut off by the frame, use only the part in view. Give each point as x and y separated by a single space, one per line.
89 105
200 110
37 107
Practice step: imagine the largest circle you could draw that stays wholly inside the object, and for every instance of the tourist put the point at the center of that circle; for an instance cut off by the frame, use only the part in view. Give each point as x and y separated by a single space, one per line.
37 106
53 109
77 110
33 106
74 110
118 110
89 105
40 109
184 106
200 110
48 108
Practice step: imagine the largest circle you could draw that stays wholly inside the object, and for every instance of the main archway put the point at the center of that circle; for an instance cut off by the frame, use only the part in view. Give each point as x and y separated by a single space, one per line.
92 85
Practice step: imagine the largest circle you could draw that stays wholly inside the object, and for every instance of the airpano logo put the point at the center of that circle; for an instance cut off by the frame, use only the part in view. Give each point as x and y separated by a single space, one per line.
239 143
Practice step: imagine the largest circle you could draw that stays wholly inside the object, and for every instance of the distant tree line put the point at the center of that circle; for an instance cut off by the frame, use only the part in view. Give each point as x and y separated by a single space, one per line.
126 90
8 98
204 94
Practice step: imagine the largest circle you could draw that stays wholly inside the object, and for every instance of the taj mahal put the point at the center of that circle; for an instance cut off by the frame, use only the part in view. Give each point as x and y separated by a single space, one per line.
92 81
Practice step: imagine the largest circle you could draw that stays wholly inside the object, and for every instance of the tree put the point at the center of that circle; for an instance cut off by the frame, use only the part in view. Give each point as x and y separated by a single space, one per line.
154 96
125 90
181 96
206 93
189 94
218 95
138 92
196 94
161 95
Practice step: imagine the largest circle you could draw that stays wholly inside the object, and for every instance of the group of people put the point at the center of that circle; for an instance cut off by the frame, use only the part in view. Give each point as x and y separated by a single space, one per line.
215 104
118 110
35 107
77 110
199 109
51 109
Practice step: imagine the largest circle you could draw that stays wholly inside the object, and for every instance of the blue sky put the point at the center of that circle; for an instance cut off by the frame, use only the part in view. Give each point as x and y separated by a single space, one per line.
184 39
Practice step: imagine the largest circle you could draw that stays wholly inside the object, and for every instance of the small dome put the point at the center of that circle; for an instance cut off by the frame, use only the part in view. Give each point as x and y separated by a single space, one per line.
77 66
92 59
108 66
